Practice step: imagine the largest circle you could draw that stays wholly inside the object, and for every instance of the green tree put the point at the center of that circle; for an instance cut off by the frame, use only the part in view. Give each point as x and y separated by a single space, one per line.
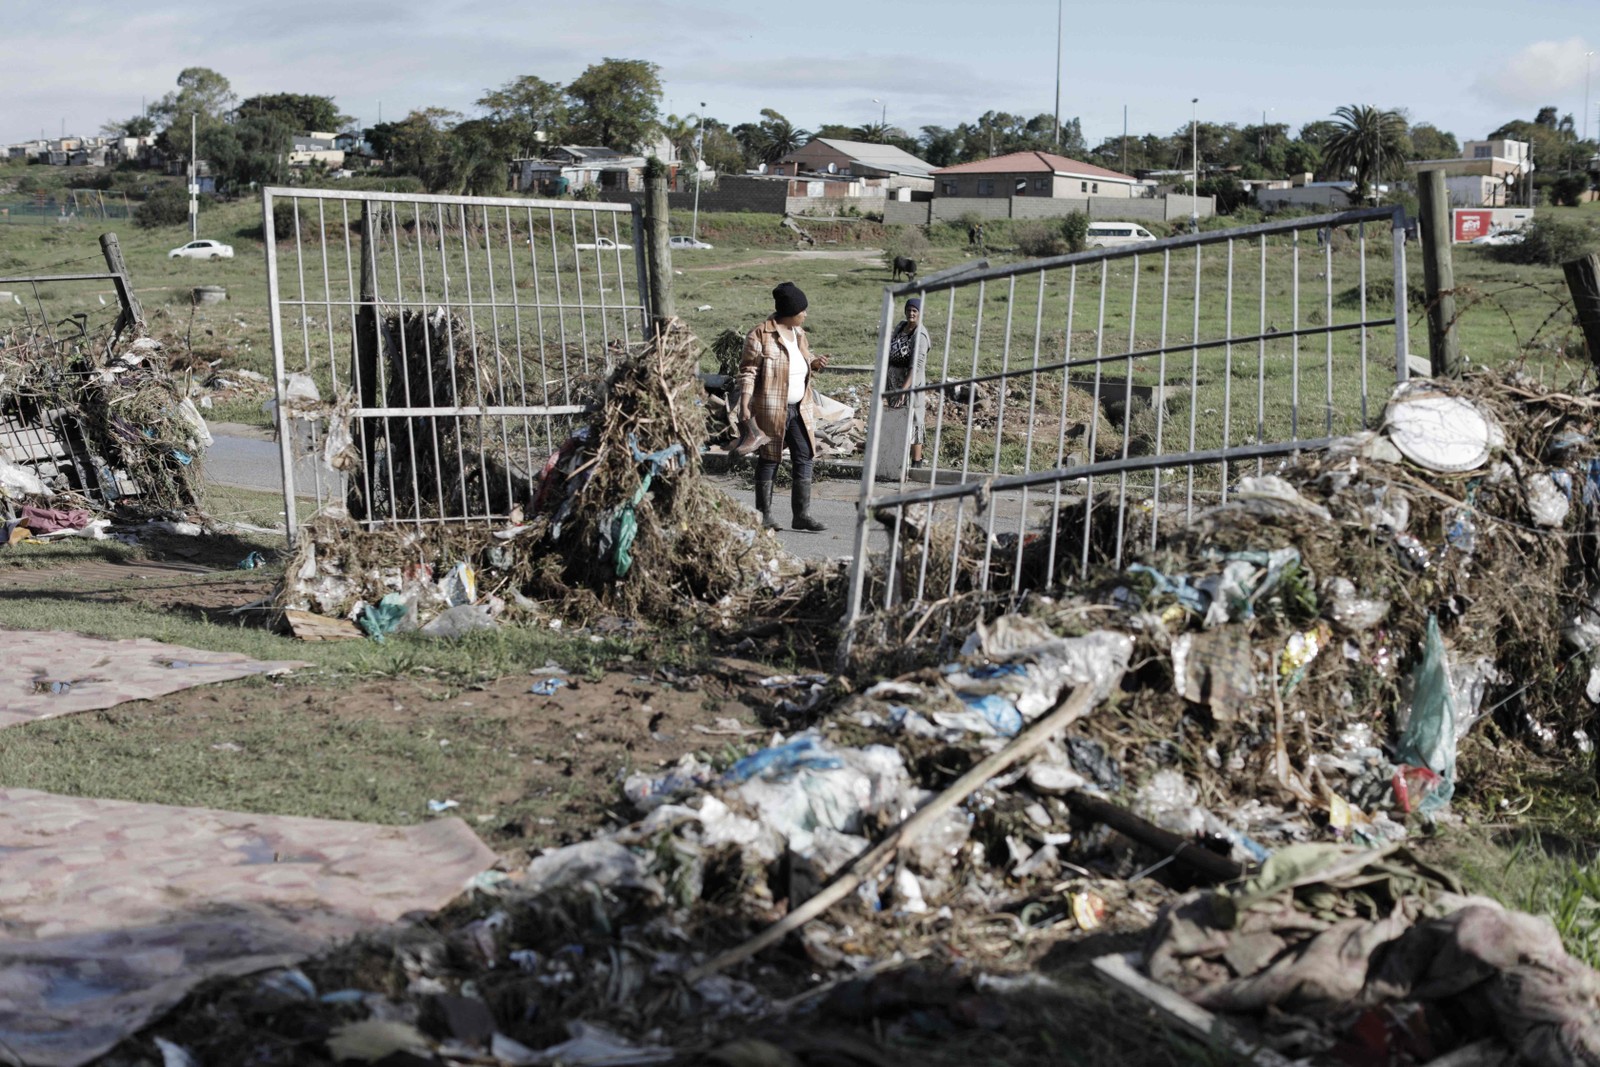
138 126
524 108
1318 133
1367 145
1430 142
202 93
616 103
721 148
770 139
473 162
939 146
418 145
302 112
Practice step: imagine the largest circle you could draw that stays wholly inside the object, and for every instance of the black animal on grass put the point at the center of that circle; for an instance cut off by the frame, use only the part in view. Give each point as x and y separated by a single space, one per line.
906 266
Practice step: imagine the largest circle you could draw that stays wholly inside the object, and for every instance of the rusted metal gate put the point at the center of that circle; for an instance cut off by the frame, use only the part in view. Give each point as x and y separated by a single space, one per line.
431 352
1078 403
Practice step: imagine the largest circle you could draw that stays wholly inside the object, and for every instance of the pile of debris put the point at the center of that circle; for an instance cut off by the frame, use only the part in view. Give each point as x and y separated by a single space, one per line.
95 427
1322 666
618 522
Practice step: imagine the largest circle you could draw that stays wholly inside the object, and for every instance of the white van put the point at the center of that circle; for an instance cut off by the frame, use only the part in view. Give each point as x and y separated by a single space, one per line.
1111 234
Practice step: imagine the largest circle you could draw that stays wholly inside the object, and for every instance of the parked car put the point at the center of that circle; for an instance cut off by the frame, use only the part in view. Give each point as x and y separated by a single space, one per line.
202 249
1501 237
686 242
1111 234
602 244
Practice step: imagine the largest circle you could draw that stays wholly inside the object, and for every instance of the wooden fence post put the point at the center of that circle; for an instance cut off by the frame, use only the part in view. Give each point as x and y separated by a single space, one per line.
132 313
1583 281
1438 275
660 261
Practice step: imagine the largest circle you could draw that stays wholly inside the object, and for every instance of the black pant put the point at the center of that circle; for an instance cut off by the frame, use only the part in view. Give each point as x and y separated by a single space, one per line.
799 446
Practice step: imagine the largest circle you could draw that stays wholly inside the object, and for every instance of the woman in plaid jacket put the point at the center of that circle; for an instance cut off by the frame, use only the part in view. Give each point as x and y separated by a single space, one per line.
775 392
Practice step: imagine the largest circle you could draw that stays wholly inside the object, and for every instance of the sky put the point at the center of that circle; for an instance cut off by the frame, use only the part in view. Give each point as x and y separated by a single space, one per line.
1466 68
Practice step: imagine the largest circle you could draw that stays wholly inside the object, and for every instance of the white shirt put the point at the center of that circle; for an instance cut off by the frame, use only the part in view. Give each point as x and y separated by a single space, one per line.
797 365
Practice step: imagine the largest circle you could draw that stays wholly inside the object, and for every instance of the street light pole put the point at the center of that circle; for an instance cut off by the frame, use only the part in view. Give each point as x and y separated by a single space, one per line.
1058 79
883 116
194 180
699 166
1194 166
1588 64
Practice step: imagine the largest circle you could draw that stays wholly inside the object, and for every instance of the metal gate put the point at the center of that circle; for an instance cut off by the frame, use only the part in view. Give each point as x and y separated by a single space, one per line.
431 352
1076 403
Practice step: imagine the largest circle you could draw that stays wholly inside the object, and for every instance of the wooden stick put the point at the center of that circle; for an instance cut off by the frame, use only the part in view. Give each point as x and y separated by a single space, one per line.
1181 849
1068 709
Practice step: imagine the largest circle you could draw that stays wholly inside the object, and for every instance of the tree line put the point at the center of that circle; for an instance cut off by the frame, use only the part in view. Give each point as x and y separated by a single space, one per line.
616 103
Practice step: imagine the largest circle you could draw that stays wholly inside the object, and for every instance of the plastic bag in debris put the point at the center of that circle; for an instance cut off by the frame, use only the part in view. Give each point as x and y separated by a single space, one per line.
648 792
816 857
817 784
782 761
1270 493
301 398
602 863
1245 578
1031 674
1429 738
460 585
1547 504
1388 508
191 417
393 614
1350 611
1170 802
18 481
459 620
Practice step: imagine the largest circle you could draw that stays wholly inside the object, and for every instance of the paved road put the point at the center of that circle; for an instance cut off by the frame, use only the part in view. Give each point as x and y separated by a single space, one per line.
246 457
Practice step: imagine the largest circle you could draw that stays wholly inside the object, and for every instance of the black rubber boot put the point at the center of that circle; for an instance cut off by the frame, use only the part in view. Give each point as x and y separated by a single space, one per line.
800 497
764 505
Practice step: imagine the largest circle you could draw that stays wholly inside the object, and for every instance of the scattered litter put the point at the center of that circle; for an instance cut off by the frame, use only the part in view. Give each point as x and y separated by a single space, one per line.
547 687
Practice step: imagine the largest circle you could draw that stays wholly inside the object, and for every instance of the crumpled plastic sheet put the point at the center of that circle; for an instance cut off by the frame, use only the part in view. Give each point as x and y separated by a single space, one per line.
115 910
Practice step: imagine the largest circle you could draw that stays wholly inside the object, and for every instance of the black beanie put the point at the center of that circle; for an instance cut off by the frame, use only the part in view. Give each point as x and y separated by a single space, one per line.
787 299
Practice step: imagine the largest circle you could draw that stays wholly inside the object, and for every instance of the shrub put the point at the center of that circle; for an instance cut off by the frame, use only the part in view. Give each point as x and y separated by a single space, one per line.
1568 189
1548 242
1075 231
167 205
907 241
1039 238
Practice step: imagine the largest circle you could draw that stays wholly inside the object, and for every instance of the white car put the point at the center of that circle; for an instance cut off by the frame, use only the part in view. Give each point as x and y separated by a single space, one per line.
603 244
205 249
1502 237
686 242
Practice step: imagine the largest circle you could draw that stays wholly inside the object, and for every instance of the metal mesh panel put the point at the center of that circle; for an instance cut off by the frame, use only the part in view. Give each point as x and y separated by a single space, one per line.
432 351
1077 405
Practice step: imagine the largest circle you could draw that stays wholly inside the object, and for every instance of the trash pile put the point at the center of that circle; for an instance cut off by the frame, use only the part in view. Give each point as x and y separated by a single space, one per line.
617 521
92 433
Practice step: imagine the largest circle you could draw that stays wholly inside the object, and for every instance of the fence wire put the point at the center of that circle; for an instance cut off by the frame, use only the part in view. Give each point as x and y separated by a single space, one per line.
1074 405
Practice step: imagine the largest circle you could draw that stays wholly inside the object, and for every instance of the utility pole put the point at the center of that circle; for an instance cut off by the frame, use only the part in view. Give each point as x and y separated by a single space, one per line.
1194 166
194 179
1124 138
1588 62
699 169
1058 77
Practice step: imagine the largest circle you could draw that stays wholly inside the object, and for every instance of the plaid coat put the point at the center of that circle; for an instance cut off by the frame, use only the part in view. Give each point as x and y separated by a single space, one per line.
764 385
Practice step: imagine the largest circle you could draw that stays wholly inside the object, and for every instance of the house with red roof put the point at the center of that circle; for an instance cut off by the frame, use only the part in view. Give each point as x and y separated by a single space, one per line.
1035 174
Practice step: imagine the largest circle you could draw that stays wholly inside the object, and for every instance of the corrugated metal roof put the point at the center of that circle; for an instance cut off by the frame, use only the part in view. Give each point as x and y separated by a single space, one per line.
879 156
1034 162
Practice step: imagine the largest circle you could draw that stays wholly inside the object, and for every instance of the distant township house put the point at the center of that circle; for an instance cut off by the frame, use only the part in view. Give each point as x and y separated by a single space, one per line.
1301 191
1494 173
571 168
1036 174
1042 185
826 158
308 148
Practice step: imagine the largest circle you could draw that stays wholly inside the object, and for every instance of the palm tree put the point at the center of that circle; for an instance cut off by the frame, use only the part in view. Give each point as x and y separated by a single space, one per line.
1367 144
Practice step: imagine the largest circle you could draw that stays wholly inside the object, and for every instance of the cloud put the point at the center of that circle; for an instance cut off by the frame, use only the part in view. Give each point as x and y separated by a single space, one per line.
1536 75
